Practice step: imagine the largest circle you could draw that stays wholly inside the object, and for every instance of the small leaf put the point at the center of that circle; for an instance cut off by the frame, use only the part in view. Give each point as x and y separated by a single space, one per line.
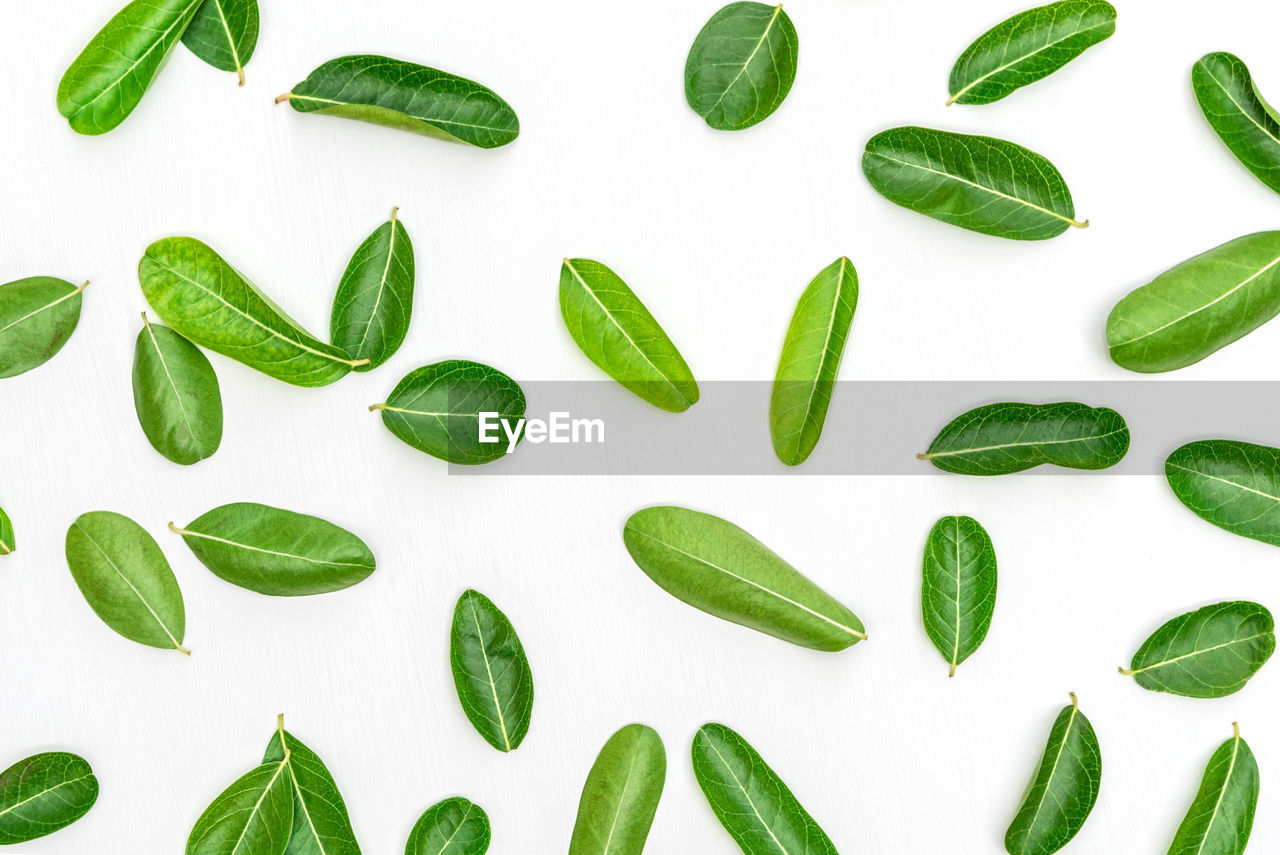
176 395
621 794
454 826
959 592
490 672
7 541
37 317
254 816
375 297
224 33
321 825
1239 116
1234 485
1221 815
44 794
741 65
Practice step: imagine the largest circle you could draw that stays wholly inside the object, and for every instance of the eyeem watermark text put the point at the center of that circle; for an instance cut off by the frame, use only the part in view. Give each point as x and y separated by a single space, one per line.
558 428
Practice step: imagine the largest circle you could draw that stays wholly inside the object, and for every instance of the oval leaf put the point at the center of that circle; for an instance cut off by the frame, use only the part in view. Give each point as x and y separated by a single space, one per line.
176 395
978 183
741 65
959 591
1221 815
490 672
7 541
621 794
375 297
37 316
1234 485
713 565
321 825
277 552
1238 114
1208 653
43 794
616 332
454 826
998 439
224 33
1063 789
253 815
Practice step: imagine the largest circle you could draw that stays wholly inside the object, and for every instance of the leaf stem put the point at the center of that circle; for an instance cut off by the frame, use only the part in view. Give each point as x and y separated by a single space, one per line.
1126 671
82 287
288 96
952 100
1235 725
240 72
1079 224
182 649
1075 702
375 407
173 528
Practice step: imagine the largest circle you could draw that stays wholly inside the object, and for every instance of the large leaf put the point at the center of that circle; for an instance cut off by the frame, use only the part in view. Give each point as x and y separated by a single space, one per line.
616 332
1208 653
408 97
277 552
979 183
7 541
1199 306
321 825
750 800
621 794
254 816
374 302
126 579
1062 791
43 794
176 395
37 316
1234 485
490 672
1238 114
713 565
1221 815
113 72
1030 45
959 590
998 439
454 826
224 33
741 65
810 361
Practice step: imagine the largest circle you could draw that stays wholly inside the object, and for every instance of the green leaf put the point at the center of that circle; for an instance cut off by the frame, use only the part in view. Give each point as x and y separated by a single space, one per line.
1208 653
126 579
37 316
43 794
1063 789
7 542
979 183
1234 485
254 816
959 591
408 97
224 33
490 672
438 409
1221 815
998 439
454 826
375 297
205 300
321 825
176 395
810 361
1238 114
741 65
616 332
1030 45
621 794
713 565
113 72
752 803
277 552
1198 307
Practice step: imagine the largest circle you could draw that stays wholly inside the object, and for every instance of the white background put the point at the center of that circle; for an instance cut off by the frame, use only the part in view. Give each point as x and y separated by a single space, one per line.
719 232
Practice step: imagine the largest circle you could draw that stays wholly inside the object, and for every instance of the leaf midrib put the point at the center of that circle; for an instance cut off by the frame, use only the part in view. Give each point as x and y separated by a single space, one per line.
932 454
747 796
1044 795
1199 652
822 360
1222 793
164 363
46 307
493 687
251 548
45 792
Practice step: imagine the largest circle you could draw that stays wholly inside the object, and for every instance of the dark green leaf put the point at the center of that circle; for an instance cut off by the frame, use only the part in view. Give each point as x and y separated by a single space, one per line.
1208 653
452 827
254 816
1238 114
959 591
490 672
1234 485
1221 816
321 825
176 395
43 794
7 541
224 33
741 65
621 794
37 316
375 298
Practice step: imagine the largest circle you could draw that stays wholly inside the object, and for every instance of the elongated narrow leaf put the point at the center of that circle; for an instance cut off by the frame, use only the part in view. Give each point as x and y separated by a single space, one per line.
713 565
37 317
224 33
1221 815
321 825
408 97
1234 485
490 672
459 411
176 395
7 541
1199 306
810 361
752 803
454 826
1062 791
254 816
1208 653
959 591
1030 45
1238 114
998 439
113 72
277 552
979 183
621 794
741 65
44 794
205 300
375 297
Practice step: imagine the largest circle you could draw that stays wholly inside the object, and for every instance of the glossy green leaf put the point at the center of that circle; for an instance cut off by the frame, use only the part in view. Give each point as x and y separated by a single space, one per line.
959 590
176 395
1208 653
810 361
409 97
741 65
998 439
277 552
321 825
44 794
254 816
375 297
1030 45
621 794
454 826
713 565
7 541
1199 306
224 33
205 300
1234 485
1221 816
442 409
979 183
126 579
490 672
616 332
37 316
1062 791
113 72
752 803
1239 116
